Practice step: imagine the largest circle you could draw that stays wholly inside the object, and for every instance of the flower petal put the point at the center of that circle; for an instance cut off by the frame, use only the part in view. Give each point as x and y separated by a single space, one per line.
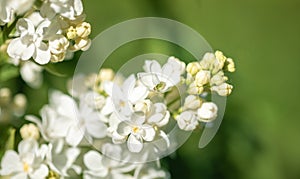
42 54
96 128
75 135
16 49
41 172
10 163
149 133
135 144
93 161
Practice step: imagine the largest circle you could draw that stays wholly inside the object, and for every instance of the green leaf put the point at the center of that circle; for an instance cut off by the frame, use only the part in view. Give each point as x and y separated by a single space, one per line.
8 72
11 139
53 70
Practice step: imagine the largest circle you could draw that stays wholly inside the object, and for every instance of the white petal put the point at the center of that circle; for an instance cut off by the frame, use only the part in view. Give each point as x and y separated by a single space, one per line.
16 49
92 160
10 163
43 27
26 146
135 144
124 128
137 94
21 175
42 54
78 7
155 118
96 128
147 80
75 135
149 133
41 172
25 26
117 138
155 67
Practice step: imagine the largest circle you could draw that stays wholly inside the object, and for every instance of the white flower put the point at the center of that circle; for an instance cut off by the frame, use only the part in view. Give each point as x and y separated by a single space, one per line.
207 112
106 74
135 131
125 96
158 78
66 8
223 89
31 73
159 115
187 121
83 29
29 131
81 44
30 43
28 162
177 64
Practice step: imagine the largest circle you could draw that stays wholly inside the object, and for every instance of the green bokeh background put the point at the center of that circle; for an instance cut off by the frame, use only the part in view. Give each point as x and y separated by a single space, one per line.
259 137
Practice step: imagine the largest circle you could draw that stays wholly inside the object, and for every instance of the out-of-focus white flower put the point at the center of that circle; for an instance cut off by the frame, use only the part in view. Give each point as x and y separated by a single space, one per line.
207 112
102 166
193 68
66 8
27 163
30 43
224 89
31 73
106 74
5 96
158 78
202 77
19 104
152 173
29 131
135 131
8 8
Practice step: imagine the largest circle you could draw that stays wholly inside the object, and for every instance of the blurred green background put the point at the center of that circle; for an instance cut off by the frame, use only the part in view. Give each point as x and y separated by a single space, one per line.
259 136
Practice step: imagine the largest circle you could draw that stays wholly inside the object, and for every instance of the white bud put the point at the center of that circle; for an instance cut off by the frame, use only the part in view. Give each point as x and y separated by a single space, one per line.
83 29
19 104
218 78
202 77
177 64
58 44
106 74
224 89
193 68
144 106
29 131
57 57
230 65
5 96
207 112
81 44
195 89
192 102
71 33
187 121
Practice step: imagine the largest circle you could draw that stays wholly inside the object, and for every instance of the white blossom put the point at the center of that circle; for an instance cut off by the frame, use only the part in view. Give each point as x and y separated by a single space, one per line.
31 73
160 79
29 131
187 121
223 89
27 163
30 43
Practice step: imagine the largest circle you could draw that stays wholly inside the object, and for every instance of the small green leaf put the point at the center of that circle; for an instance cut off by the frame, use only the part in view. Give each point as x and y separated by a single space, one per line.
8 72
11 139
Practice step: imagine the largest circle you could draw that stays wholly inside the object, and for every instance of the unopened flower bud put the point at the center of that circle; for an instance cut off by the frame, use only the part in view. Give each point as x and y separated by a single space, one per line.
202 77
192 102
29 131
81 44
230 65
19 104
193 68
207 112
5 96
57 57
83 29
143 106
218 79
106 74
71 33
58 44
195 89
224 89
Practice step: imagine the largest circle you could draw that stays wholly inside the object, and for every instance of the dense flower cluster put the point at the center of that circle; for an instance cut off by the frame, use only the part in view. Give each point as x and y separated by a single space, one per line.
116 124
45 32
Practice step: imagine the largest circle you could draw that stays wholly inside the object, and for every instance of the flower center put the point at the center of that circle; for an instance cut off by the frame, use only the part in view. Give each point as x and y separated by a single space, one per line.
160 86
135 129
26 167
